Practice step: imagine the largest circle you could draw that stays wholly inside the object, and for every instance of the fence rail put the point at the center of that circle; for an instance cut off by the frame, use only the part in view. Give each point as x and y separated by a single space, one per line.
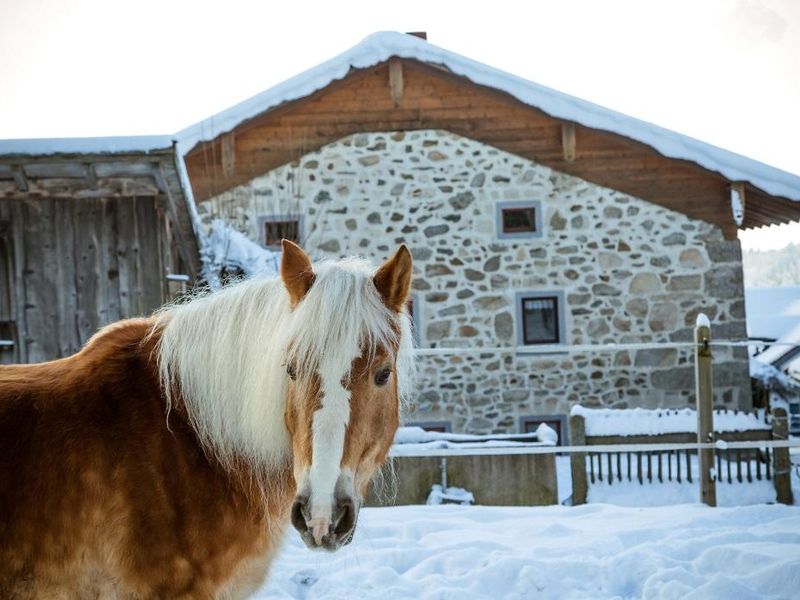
499 450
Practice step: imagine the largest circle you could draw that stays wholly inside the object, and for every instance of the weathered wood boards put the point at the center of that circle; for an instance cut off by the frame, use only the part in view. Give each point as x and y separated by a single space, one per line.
75 265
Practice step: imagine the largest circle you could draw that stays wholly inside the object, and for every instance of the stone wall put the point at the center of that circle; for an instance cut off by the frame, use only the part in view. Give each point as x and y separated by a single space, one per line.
629 270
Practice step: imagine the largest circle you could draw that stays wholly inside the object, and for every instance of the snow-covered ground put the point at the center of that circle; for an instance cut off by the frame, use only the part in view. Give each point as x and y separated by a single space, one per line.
594 551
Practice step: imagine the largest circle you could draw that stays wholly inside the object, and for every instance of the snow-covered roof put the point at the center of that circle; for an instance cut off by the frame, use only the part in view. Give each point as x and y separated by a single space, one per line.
772 312
380 47
771 377
87 145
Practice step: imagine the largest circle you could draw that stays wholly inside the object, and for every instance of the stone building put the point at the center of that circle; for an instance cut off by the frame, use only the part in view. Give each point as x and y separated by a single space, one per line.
582 264
536 220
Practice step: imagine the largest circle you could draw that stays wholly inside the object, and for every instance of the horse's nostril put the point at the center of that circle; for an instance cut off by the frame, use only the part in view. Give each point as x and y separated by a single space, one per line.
345 518
298 516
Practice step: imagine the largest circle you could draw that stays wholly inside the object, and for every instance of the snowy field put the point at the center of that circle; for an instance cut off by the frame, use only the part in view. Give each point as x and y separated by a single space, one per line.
595 551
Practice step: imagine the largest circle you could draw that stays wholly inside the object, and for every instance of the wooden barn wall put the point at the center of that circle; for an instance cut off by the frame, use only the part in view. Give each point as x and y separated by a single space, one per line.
73 266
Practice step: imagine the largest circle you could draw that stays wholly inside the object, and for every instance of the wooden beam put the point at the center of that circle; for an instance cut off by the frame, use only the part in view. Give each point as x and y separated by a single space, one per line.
19 178
738 202
568 141
228 154
90 176
396 81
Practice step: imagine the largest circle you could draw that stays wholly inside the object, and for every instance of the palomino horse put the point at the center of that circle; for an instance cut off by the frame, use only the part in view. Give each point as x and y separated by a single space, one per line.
165 458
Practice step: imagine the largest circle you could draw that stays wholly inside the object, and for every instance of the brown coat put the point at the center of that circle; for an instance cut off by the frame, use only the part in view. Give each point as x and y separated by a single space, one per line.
100 496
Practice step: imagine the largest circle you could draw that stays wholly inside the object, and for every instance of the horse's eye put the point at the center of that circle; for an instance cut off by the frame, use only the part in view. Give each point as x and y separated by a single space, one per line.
382 376
292 372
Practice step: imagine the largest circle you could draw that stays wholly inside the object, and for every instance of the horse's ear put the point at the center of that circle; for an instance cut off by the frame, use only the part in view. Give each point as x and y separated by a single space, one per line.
393 279
296 271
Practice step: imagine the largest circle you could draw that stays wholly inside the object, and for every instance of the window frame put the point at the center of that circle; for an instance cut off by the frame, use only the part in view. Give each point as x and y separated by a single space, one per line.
561 319
446 426
536 205
262 221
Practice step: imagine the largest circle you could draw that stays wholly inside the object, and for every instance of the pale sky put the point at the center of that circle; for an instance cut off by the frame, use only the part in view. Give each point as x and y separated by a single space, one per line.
724 71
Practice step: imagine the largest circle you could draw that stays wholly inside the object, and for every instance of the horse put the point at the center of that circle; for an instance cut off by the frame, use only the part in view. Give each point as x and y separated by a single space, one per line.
168 456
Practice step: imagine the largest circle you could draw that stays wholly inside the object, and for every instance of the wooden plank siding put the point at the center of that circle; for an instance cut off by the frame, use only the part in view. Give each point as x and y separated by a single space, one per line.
76 265
434 98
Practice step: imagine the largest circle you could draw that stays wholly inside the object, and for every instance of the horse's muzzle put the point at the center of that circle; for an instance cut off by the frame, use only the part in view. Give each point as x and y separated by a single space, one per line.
328 535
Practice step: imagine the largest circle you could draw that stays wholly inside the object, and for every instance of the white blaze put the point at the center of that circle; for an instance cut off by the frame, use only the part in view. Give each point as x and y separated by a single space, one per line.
327 444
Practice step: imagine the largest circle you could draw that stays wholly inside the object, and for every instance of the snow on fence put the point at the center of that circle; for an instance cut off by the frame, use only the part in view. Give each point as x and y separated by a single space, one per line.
744 451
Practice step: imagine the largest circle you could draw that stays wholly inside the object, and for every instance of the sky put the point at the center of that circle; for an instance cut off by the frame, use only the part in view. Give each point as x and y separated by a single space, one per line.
723 71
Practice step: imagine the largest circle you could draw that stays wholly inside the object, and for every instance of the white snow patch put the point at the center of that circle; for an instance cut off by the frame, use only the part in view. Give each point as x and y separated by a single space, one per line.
226 248
586 552
770 376
640 421
451 495
87 145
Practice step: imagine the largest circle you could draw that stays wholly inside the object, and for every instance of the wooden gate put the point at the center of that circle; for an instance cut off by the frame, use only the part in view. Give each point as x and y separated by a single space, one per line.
70 266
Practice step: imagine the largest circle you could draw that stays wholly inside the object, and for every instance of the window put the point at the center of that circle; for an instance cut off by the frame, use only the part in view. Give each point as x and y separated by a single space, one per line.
557 423
540 318
275 228
438 426
519 219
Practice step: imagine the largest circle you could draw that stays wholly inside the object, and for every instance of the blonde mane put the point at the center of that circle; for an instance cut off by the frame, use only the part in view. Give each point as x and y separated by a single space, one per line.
226 353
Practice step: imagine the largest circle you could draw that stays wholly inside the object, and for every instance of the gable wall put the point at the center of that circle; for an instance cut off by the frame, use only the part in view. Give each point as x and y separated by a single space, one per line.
629 271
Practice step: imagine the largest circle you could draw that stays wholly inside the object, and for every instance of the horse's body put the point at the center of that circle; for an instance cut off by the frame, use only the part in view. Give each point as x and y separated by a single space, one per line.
114 482
98 495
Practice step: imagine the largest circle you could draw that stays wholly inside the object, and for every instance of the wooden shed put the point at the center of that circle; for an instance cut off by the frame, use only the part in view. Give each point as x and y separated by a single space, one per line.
91 231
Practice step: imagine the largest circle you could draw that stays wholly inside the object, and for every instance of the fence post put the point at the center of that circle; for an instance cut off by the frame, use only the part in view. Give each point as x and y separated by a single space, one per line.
705 408
577 432
781 463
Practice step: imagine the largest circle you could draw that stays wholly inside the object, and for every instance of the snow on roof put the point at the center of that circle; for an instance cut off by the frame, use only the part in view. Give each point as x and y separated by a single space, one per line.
87 145
772 312
226 248
380 47
640 421
771 377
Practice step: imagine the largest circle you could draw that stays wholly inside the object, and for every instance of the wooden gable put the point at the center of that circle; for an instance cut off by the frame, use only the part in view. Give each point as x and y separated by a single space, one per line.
404 95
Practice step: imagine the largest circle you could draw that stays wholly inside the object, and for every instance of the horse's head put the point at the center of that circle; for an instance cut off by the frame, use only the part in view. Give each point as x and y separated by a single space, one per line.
348 360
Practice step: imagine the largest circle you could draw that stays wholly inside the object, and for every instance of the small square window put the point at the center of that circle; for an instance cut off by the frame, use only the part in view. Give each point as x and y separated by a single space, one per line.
275 231
519 220
540 323
435 426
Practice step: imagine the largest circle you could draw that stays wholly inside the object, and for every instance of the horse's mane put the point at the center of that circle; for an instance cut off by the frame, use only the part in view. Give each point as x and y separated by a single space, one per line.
225 353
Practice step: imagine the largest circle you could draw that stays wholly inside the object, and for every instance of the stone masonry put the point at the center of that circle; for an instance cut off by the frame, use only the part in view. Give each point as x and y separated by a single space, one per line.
630 271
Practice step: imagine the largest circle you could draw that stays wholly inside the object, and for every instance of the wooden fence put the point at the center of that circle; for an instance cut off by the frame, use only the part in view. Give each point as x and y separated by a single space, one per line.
731 465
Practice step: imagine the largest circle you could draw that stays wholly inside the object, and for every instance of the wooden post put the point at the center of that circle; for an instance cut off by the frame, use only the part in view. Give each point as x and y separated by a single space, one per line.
781 463
705 407
396 80
577 432
568 141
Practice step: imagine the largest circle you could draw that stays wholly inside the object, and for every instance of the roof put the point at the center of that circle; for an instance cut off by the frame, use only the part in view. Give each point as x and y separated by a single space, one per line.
87 145
380 47
104 167
528 119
